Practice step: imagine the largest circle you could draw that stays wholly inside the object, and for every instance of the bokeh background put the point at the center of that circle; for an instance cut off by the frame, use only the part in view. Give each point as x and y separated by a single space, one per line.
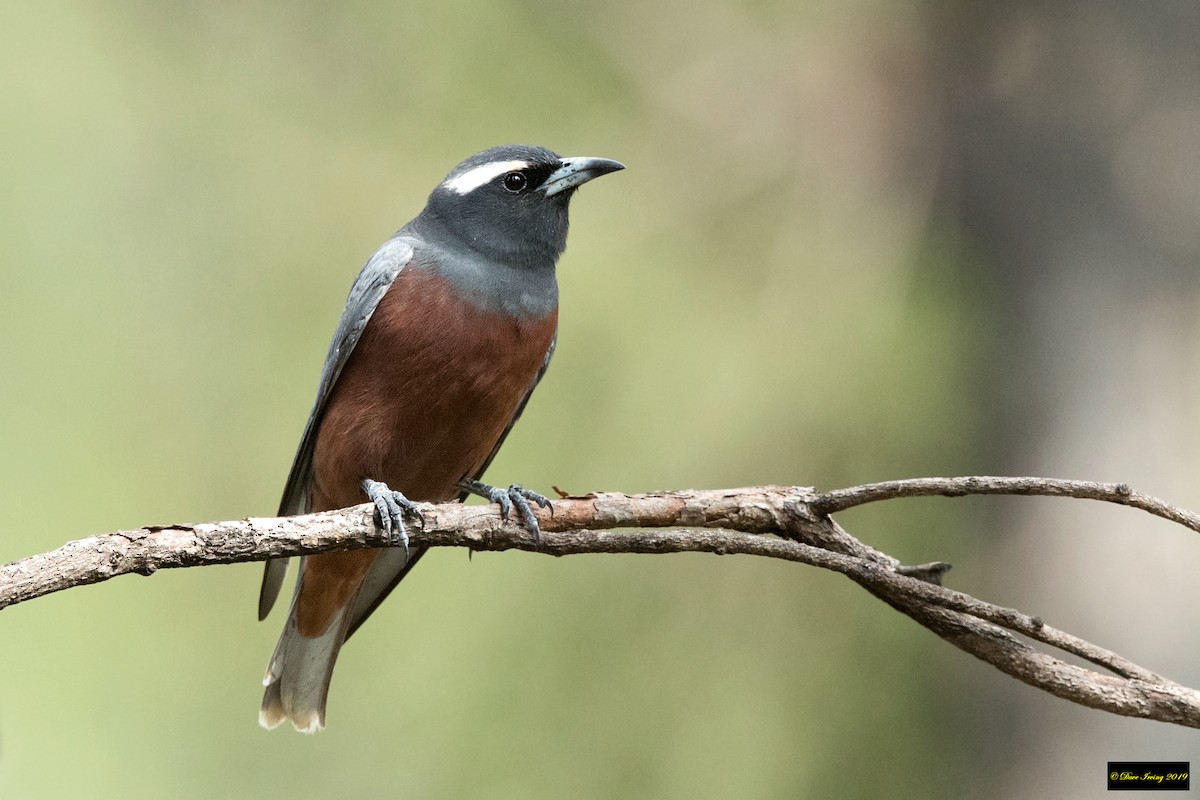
856 241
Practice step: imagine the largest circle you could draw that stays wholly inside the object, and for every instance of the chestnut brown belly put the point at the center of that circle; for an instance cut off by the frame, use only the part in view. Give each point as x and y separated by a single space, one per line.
426 394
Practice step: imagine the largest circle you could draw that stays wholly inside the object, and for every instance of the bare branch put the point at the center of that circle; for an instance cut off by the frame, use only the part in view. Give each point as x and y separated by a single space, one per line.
789 523
1119 493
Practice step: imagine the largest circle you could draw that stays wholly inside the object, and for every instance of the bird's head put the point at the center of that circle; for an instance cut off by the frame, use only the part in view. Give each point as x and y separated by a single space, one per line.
510 203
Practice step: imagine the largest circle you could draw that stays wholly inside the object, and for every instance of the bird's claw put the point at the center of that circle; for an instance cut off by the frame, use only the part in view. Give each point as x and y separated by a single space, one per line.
391 506
520 497
515 496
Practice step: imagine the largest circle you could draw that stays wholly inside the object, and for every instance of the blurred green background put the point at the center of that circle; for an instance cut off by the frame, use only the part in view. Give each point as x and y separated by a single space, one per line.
855 241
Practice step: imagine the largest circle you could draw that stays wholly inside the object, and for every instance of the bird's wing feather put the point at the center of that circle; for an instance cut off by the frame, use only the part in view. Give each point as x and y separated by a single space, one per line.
390 568
369 287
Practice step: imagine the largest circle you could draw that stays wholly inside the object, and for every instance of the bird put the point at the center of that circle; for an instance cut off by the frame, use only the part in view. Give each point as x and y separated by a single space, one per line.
447 330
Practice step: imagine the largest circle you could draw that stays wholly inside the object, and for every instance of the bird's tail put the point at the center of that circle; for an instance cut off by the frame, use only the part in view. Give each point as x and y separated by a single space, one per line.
298 676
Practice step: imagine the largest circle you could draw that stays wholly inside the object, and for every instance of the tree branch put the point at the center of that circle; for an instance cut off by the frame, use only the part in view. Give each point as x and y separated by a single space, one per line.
790 523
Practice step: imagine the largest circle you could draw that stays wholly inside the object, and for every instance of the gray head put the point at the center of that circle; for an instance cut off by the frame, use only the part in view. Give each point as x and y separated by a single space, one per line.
508 205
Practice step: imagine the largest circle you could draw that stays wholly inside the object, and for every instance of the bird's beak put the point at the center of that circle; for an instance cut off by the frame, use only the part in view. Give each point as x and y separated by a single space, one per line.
575 171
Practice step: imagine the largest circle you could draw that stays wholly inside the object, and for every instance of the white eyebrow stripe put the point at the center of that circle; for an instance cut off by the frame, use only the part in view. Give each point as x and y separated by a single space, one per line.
477 176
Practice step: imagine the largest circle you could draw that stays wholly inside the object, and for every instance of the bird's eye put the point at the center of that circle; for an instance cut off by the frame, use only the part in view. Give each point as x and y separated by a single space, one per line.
515 181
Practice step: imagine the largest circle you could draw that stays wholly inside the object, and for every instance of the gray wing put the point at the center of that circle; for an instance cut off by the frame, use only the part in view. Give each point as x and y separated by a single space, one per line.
389 567
368 289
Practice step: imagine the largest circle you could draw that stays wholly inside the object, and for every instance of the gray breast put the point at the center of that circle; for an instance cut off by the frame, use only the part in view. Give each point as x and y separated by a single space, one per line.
493 285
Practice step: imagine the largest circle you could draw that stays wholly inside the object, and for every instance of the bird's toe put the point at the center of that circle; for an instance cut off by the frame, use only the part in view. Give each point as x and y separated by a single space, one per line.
392 506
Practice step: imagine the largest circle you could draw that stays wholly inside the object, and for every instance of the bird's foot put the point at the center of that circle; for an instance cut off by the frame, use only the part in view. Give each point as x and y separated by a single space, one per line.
515 496
391 506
